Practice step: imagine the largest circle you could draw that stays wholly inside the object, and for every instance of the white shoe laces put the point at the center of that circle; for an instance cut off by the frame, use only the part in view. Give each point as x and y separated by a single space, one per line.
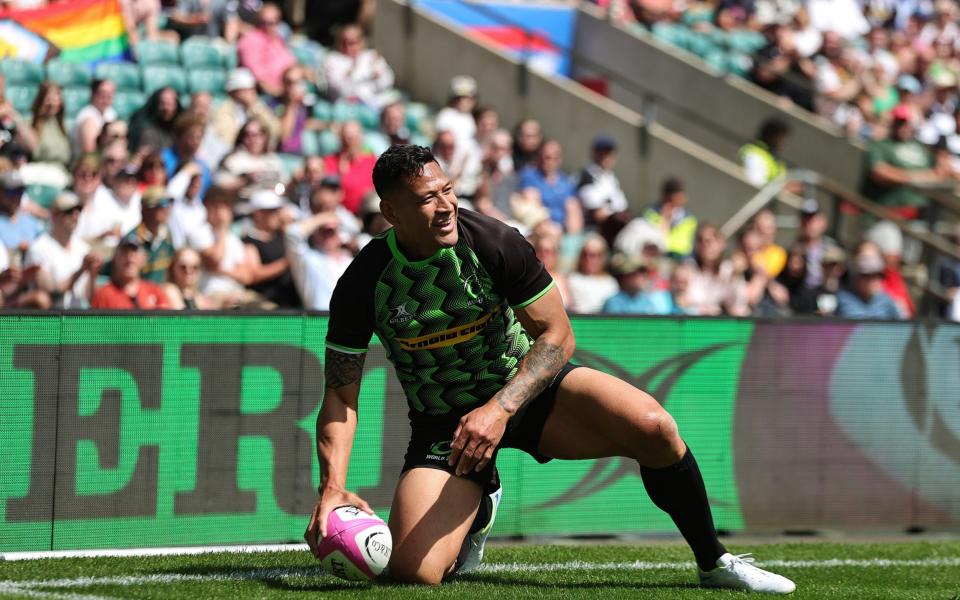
742 558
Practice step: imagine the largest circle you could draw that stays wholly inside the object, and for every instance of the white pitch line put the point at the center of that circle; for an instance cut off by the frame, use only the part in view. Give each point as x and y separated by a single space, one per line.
132 552
40 586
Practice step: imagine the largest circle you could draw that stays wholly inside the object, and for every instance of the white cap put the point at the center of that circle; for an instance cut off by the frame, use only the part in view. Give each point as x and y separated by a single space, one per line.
888 236
265 200
240 79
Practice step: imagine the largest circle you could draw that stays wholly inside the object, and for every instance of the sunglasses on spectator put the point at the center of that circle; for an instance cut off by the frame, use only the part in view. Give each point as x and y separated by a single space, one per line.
87 174
188 267
70 211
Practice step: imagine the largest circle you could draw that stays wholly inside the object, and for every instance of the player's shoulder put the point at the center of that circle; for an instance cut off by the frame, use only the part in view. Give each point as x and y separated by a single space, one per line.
481 230
370 262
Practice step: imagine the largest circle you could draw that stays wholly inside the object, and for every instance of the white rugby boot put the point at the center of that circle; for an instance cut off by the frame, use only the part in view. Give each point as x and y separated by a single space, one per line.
472 555
739 573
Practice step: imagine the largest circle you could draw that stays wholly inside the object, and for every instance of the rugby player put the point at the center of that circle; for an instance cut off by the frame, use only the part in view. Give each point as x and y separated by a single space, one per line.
480 342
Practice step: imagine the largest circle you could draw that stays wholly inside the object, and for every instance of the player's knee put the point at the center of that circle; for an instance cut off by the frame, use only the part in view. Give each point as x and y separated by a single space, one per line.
662 443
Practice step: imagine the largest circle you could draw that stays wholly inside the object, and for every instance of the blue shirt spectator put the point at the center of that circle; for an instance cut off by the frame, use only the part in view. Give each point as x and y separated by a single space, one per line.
17 226
557 190
879 306
655 302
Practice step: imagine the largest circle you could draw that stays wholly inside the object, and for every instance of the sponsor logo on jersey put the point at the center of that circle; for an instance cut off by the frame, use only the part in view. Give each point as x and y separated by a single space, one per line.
399 314
442 448
473 287
447 337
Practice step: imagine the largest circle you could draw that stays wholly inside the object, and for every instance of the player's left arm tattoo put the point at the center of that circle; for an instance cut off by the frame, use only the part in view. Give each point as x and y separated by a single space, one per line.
538 368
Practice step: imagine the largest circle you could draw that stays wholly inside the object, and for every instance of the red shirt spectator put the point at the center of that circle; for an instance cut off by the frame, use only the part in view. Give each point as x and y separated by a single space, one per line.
353 164
126 290
265 52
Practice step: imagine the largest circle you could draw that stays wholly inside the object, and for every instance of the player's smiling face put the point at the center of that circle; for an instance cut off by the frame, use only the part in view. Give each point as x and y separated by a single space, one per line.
424 214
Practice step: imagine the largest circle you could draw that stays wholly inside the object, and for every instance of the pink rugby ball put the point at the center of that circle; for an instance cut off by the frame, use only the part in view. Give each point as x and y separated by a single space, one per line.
357 546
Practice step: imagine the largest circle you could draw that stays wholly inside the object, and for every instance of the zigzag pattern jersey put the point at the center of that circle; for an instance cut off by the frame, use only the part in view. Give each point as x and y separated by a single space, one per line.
447 322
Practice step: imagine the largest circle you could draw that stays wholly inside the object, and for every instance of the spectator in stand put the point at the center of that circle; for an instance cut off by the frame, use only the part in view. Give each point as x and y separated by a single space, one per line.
821 300
680 280
264 51
16 135
317 257
141 13
188 216
293 113
462 165
328 198
53 144
947 274
353 164
813 241
183 279
889 240
188 135
393 130
126 289
488 123
115 211
266 254
355 73
498 181
715 286
771 257
761 157
527 140
894 164
457 116
599 190
765 296
152 125
18 228
154 235
88 186
670 216
212 18
226 268
839 78
865 298
372 221
152 171
556 189
90 120
843 18
251 158
781 65
590 285
242 105
67 270
305 181
637 295
546 244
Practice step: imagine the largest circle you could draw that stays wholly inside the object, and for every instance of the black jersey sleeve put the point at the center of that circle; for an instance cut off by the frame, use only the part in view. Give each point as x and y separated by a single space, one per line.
351 322
508 257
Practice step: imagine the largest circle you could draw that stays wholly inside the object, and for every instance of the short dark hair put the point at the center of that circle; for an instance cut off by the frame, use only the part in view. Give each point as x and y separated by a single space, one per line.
671 186
399 165
773 127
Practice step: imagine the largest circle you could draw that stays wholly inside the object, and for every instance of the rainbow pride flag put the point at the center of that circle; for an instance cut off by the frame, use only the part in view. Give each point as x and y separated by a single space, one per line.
84 31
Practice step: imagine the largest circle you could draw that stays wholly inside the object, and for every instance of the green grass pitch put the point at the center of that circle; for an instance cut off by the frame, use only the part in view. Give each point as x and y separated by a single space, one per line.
823 571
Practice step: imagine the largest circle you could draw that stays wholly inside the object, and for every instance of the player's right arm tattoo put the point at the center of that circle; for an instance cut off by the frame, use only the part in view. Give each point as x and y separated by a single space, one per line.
342 369
540 365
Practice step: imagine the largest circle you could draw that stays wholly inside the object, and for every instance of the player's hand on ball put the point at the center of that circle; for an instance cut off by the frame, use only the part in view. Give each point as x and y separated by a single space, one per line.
477 437
330 499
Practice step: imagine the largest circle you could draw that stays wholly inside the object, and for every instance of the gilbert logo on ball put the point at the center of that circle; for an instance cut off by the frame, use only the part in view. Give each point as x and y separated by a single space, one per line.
357 546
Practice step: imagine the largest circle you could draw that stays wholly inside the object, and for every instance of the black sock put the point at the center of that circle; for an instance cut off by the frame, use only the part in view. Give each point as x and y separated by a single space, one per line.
678 490
483 514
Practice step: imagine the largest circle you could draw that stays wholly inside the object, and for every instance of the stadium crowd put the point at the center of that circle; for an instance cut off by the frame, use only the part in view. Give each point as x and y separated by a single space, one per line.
256 190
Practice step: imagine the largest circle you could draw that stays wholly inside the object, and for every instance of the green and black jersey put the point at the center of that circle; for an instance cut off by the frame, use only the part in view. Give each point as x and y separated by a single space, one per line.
447 322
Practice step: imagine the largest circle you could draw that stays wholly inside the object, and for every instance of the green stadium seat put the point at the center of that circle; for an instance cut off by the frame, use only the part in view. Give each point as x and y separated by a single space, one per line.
671 33
328 143
701 45
311 142
306 55
200 53
75 98
717 59
230 57
124 75
161 76
68 74
323 110
156 53
21 71
126 102
739 64
44 195
290 162
207 80
417 113
347 111
21 96
746 42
